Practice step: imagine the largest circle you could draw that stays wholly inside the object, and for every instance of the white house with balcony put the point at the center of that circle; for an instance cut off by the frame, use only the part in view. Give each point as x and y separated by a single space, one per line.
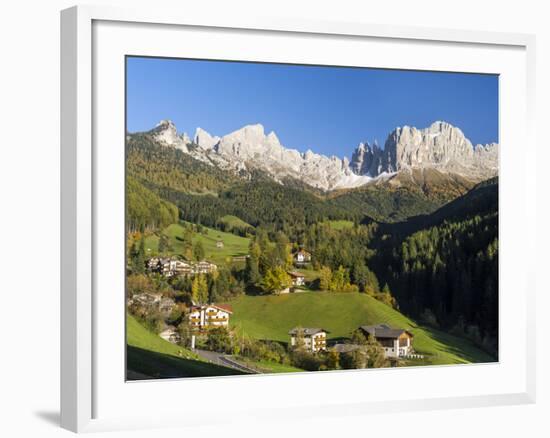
313 339
210 316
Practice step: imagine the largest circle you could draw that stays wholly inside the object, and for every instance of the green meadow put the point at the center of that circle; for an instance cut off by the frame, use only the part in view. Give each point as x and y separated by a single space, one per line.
271 317
233 245
149 354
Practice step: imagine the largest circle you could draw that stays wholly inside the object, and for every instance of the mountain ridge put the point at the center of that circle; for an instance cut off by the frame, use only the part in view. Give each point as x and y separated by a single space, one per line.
440 146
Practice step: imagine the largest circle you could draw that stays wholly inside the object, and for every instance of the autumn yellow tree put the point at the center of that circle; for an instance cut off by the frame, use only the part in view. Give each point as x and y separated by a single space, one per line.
275 280
325 278
199 289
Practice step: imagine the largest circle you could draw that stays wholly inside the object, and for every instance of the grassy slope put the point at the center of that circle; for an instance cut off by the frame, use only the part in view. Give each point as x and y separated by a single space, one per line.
151 355
269 367
271 317
340 224
233 245
235 222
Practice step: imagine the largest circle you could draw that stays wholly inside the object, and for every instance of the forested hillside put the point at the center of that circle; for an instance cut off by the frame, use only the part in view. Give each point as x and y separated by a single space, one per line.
444 267
410 193
448 275
170 168
257 199
145 209
416 243
260 203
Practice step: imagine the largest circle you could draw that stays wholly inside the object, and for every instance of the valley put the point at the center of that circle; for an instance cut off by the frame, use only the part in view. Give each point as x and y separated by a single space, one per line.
282 248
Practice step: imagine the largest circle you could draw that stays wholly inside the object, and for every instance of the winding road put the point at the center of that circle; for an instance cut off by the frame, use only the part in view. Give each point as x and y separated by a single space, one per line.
224 360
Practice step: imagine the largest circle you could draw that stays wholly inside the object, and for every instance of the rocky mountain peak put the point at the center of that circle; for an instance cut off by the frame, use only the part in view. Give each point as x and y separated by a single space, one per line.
441 146
165 128
247 134
166 132
272 138
204 140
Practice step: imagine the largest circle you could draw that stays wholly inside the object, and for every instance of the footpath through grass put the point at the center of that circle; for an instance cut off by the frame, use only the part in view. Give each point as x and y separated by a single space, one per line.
271 317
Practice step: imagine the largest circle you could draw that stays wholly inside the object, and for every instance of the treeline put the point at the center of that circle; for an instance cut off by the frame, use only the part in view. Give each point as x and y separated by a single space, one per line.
170 168
386 204
410 193
344 259
447 275
145 209
259 203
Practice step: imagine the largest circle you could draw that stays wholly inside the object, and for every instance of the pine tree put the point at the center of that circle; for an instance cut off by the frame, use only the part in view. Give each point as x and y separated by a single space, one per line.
253 264
139 259
164 244
198 251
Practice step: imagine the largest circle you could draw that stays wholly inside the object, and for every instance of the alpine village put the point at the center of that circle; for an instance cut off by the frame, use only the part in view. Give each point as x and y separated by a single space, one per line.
246 257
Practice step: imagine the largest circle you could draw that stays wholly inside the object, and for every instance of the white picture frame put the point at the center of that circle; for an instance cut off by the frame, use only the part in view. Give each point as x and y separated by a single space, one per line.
90 392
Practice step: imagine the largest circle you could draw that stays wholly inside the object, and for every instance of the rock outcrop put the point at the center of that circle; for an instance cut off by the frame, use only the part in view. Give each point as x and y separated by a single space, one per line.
440 146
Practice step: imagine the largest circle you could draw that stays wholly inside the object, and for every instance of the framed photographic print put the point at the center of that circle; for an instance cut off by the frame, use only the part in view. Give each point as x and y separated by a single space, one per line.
335 216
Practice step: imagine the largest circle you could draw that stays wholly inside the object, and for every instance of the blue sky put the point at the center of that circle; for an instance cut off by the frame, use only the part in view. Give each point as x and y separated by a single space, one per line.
327 109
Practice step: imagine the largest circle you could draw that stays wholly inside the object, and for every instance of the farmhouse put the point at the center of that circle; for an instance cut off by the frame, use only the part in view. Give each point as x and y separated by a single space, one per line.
209 316
302 257
297 278
170 267
180 267
396 342
314 339
204 267
170 334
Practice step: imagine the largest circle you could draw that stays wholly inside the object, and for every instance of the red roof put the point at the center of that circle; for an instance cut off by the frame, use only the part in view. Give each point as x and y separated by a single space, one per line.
225 307
296 274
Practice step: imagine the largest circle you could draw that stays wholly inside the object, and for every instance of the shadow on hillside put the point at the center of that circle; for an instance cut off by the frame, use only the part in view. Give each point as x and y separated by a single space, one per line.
254 290
337 340
461 347
146 364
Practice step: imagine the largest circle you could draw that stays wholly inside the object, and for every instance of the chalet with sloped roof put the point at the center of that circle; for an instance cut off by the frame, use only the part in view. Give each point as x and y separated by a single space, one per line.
314 339
302 257
207 316
298 279
396 342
